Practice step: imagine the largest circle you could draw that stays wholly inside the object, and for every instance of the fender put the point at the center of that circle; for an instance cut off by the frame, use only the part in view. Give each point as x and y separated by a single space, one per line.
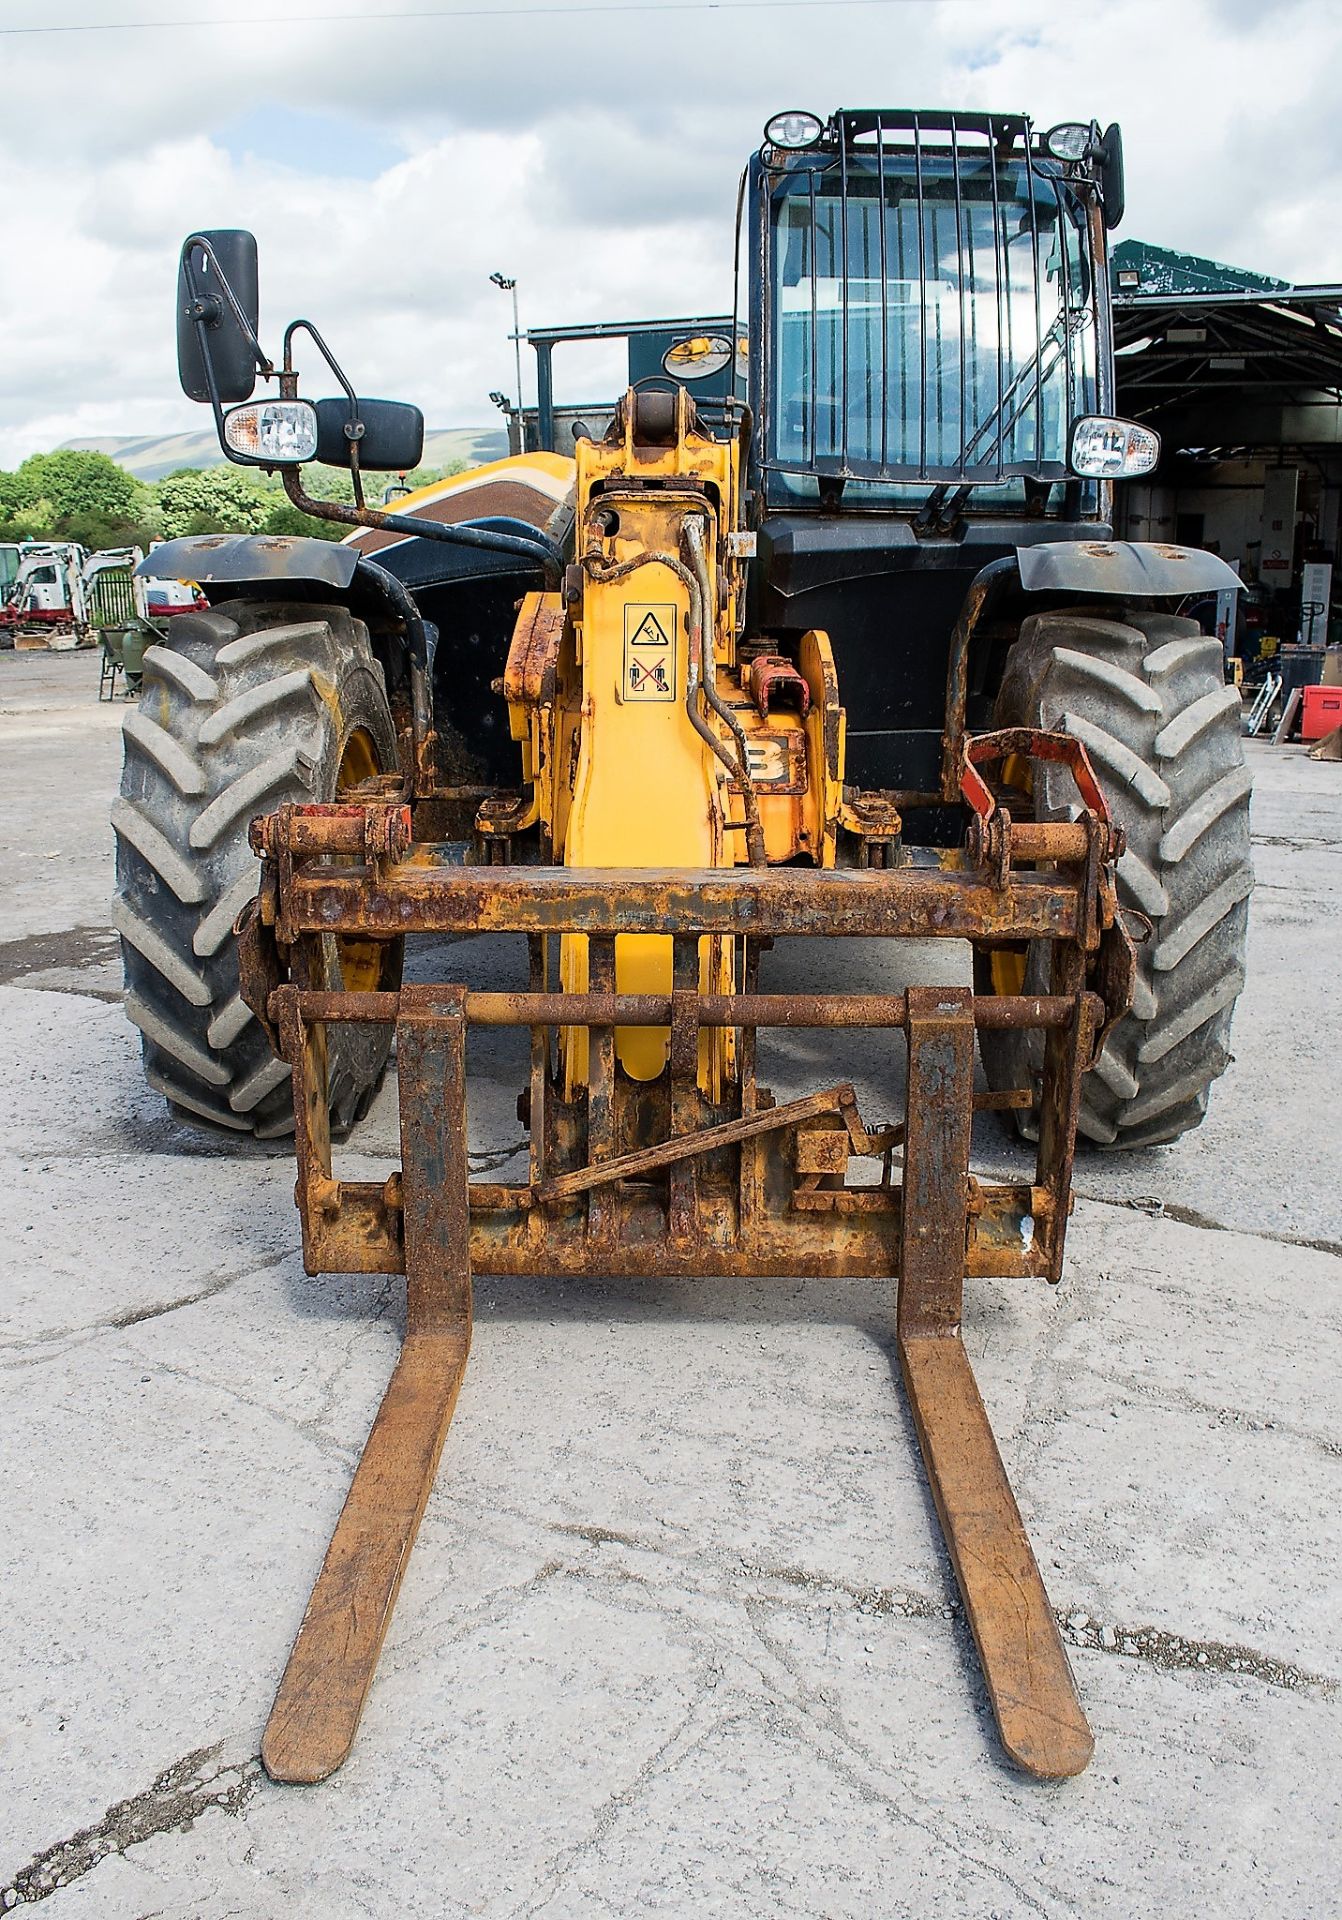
1122 568
1115 569
252 560
233 563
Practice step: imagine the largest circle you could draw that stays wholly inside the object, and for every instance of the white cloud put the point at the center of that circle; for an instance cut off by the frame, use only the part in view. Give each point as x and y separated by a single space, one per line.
596 159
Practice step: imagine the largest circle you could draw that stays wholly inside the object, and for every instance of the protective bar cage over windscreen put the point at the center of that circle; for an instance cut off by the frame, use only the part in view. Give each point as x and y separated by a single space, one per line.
929 306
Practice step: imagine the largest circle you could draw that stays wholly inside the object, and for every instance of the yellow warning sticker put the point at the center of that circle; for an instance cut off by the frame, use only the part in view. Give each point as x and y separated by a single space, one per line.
649 653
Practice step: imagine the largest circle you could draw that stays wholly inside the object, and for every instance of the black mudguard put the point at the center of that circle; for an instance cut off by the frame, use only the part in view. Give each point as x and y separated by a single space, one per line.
1122 569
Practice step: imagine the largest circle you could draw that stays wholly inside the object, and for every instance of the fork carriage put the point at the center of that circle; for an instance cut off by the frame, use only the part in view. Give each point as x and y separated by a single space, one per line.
627 1178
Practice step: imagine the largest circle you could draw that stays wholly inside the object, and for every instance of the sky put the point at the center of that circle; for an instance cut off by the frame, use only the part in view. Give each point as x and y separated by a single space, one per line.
389 163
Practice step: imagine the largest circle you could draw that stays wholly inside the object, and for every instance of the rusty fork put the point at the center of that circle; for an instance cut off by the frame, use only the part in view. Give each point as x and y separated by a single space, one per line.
1024 1664
330 1670
321 1697
738 1188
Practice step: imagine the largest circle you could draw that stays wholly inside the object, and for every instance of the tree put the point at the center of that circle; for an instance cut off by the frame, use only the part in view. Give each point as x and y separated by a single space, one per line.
76 495
79 482
287 521
13 495
211 500
37 522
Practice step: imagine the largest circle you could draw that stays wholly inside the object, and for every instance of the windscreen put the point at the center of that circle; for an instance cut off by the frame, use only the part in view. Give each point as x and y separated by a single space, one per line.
932 314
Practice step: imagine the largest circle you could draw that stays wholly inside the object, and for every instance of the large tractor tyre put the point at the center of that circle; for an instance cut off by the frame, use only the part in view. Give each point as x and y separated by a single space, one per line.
252 705
1145 694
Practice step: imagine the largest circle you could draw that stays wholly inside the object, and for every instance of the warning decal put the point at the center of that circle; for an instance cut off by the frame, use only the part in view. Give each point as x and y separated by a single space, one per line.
649 653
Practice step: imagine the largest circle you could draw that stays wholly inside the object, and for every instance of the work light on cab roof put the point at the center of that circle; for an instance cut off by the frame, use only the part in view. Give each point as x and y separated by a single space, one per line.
1073 139
794 131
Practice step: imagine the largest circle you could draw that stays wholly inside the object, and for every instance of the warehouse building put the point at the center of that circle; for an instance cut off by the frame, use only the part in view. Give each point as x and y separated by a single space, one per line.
1241 375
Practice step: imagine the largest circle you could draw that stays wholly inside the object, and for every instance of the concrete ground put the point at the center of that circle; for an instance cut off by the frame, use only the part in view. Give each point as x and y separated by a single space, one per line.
679 1636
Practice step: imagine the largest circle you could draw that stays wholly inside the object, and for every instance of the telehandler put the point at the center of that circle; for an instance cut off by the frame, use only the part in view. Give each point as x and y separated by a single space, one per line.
864 661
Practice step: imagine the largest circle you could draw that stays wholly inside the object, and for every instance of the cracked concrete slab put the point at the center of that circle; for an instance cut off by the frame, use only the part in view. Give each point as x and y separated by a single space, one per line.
678 1636
181 1795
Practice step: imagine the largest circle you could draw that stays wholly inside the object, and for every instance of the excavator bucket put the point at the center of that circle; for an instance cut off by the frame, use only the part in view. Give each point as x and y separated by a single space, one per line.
684 1175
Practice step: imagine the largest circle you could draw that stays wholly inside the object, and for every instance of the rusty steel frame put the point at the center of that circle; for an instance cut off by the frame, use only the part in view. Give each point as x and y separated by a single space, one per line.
745 1188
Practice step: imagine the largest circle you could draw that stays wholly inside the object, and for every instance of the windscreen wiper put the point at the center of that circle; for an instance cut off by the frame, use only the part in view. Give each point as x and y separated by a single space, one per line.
1024 389
942 510
930 511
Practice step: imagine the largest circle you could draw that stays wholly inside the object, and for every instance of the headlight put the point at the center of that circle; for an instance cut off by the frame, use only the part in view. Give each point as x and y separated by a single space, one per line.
1105 449
794 131
279 433
1070 140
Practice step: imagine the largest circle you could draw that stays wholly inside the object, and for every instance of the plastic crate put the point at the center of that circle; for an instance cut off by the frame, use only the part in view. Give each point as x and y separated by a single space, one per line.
1321 712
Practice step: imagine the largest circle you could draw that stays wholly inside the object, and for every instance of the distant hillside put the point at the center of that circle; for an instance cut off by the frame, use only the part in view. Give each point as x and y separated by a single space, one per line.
150 458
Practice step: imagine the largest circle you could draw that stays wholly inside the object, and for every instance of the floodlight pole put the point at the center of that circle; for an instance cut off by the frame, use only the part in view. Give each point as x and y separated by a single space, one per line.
509 285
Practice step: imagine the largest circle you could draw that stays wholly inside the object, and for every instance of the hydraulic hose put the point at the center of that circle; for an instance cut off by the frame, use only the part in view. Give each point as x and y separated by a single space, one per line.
736 765
421 640
694 539
539 548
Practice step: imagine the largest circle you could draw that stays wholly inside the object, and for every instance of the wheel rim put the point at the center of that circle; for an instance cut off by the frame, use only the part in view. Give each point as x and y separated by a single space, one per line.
358 762
1006 969
361 962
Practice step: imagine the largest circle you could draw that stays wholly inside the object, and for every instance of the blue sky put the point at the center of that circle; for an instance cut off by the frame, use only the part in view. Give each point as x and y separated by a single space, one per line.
334 146
388 165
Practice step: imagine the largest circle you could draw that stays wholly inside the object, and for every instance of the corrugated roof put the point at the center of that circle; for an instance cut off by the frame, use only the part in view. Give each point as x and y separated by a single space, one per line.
1164 271
1229 357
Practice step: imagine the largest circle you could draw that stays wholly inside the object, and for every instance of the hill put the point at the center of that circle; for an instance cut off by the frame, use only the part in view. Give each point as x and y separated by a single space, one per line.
150 458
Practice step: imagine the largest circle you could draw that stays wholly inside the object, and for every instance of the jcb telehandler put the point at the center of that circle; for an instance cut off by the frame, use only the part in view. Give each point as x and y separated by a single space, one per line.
866 661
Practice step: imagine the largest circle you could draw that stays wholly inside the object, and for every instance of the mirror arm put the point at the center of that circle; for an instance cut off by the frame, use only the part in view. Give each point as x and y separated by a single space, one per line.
289 371
201 317
539 549
207 361
354 429
265 366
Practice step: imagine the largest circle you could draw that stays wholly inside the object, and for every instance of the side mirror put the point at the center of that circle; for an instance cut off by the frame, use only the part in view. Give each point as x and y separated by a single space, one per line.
1111 176
210 336
392 440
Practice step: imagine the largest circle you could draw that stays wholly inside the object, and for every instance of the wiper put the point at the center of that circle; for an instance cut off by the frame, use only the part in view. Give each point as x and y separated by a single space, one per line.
927 515
1018 395
942 510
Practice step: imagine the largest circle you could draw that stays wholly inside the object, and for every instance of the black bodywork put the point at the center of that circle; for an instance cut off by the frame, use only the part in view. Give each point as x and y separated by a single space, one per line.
439 616
928 317
927 443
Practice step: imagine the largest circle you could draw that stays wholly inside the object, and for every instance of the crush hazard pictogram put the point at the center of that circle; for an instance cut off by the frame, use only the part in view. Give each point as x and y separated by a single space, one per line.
649 653
651 678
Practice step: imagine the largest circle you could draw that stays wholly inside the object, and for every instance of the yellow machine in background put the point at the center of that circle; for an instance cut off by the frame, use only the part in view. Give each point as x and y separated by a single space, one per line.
650 737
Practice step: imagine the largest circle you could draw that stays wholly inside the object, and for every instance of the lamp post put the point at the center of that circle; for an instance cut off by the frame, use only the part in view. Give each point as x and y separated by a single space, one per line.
507 285
505 407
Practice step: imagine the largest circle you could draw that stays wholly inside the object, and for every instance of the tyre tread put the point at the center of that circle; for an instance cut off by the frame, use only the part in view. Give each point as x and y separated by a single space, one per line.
1172 765
218 736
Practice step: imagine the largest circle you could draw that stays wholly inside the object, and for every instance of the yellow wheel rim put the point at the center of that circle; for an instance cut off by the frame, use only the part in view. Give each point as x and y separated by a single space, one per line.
1006 969
358 762
361 961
